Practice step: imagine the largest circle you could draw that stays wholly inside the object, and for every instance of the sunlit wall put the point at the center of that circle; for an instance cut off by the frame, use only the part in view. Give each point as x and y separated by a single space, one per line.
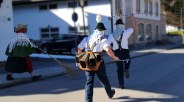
6 26
61 17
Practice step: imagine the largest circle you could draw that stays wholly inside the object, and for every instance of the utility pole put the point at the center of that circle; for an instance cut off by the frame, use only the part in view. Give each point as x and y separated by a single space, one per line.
75 18
181 22
82 6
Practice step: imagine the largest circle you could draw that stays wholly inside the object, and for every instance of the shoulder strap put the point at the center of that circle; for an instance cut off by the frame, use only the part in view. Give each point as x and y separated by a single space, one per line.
93 45
119 40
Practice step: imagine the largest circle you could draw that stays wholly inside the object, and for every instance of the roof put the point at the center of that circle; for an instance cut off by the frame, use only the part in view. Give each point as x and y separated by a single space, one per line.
21 2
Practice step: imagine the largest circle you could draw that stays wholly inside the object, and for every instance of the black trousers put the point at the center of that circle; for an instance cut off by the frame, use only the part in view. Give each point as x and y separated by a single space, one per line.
123 54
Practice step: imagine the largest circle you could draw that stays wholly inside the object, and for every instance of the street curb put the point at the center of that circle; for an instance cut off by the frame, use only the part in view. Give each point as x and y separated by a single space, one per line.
149 53
14 82
29 80
153 52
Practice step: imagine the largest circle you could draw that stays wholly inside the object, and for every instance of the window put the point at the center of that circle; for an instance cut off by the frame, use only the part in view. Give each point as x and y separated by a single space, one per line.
48 6
141 32
157 33
79 29
44 33
72 29
72 4
138 6
156 9
49 32
146 6
148 32
43 7
118 7
150 7
53 6
128 10
75 4
82 28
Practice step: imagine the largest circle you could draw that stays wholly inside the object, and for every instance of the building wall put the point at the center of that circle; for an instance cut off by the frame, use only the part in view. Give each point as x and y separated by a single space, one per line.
143 14
6 26
157 22
61 17
145 22
162 24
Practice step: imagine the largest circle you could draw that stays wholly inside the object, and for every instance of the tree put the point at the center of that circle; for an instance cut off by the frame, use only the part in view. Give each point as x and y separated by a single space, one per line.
173 9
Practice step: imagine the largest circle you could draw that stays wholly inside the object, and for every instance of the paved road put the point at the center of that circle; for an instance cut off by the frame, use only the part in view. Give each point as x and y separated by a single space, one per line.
154 78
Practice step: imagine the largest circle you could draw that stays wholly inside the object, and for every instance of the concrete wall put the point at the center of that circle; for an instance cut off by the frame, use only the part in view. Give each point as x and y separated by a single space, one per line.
6 26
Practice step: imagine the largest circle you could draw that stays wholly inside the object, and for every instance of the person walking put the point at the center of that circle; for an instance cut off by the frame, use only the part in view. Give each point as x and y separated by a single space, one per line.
18 51
101 44
119 43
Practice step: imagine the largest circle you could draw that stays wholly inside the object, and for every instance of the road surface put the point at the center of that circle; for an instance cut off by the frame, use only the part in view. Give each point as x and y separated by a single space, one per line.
153 78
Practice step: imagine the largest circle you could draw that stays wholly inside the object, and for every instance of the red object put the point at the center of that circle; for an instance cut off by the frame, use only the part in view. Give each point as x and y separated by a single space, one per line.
29 64
20 31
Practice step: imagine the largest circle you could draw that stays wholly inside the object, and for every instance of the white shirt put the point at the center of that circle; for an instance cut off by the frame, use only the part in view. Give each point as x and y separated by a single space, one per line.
100 44
124 41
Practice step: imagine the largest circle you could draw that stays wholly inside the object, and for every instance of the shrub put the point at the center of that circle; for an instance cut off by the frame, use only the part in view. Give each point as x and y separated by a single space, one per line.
181 32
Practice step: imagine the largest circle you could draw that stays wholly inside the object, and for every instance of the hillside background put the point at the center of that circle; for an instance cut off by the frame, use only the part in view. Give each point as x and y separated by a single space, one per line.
174 11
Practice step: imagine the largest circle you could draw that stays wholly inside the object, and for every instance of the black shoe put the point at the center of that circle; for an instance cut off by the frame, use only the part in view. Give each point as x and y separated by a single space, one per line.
127 75
122 87
9 78
35 78
112 93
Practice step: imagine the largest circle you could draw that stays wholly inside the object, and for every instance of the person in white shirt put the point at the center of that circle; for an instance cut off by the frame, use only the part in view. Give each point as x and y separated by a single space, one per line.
119 43
101 44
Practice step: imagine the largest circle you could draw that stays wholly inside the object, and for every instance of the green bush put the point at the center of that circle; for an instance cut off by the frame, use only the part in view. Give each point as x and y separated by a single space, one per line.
181 32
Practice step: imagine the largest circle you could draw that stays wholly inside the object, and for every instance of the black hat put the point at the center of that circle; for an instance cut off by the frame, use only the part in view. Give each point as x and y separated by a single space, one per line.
100 27
119 21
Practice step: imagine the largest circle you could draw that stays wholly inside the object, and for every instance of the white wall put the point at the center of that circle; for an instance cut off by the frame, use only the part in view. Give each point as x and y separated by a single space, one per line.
61 17
153 16
170 28
6 26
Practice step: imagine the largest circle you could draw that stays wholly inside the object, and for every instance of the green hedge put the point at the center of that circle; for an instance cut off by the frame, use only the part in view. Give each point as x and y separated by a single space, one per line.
181 32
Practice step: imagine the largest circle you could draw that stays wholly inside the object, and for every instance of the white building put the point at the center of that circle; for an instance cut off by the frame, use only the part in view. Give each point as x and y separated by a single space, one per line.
48 18
6 26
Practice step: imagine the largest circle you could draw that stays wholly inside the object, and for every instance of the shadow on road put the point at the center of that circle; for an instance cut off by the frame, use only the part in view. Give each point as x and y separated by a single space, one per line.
157 77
